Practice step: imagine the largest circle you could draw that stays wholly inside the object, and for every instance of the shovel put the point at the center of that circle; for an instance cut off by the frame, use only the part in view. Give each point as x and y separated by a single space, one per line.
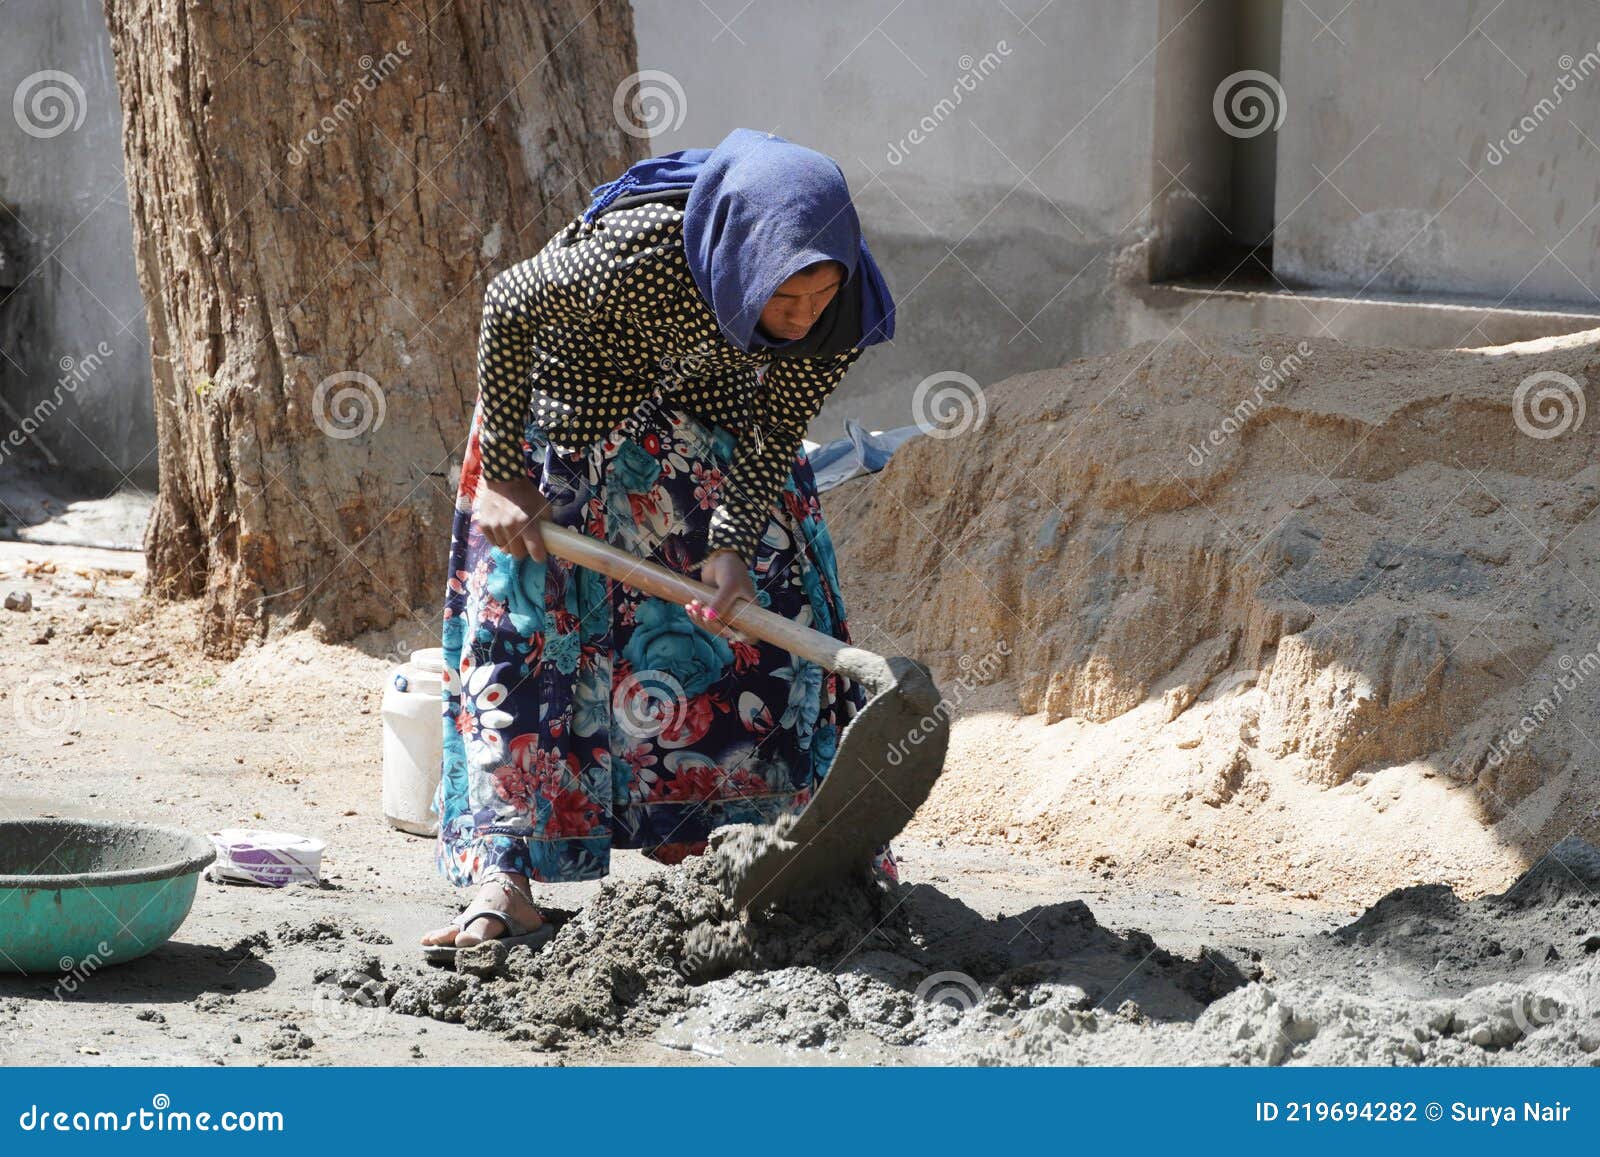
888 756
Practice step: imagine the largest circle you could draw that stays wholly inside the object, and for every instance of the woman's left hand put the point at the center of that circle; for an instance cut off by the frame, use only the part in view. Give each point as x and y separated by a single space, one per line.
730 575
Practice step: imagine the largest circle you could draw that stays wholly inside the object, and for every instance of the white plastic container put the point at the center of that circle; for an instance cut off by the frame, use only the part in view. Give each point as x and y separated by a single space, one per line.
413 741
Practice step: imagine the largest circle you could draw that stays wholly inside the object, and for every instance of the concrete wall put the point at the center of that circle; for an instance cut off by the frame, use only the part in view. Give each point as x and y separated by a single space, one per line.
999 214
1409 110
73 332
1014 169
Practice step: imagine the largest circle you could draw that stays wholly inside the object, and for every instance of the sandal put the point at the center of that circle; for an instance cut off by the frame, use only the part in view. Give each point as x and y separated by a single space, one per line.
516 932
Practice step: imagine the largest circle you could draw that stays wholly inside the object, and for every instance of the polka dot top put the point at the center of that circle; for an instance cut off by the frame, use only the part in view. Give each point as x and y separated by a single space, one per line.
577 336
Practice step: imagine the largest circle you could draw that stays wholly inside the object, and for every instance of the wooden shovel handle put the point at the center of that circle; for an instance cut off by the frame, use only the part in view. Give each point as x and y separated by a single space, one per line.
657 580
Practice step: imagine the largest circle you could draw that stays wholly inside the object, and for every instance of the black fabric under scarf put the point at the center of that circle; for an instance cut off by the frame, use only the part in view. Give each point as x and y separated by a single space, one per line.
838 326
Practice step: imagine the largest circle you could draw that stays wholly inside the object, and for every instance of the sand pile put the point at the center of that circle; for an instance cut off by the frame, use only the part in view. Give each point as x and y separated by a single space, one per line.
905 974
1251 594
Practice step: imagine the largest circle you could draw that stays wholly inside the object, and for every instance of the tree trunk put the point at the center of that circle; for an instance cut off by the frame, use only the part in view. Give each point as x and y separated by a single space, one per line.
320 194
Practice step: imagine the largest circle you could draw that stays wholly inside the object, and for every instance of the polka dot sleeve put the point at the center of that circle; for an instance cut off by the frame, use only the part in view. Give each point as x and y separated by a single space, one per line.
791 393
561 284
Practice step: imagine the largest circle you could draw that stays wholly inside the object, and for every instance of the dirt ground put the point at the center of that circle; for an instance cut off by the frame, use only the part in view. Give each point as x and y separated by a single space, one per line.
116 717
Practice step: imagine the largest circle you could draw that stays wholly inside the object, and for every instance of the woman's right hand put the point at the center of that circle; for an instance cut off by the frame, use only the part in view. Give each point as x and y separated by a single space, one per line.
509 513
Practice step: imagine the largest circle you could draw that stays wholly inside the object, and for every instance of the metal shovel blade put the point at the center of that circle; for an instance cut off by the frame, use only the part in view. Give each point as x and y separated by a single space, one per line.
888 758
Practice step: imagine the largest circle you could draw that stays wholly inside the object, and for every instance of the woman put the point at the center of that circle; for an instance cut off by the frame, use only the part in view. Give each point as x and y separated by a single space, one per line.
646 379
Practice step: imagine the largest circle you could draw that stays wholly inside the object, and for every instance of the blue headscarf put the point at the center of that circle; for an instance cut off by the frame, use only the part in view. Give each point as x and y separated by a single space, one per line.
759 209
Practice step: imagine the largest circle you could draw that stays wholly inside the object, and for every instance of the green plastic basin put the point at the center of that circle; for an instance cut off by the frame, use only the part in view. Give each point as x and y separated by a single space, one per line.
77 895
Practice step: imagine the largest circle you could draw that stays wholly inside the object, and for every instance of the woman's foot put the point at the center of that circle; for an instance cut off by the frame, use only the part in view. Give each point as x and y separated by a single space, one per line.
505 892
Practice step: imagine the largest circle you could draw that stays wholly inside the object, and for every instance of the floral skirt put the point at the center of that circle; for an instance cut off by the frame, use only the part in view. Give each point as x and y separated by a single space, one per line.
581 715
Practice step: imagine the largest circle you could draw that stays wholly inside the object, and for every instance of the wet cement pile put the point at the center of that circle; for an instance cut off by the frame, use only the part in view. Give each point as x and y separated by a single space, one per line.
1419 978
906 974
1426 941
867 968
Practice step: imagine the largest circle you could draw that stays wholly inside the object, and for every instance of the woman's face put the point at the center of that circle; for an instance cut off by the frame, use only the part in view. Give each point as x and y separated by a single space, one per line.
790 312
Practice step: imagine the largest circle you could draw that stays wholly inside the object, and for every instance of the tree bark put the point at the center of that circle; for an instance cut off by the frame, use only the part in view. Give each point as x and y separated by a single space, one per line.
320 194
